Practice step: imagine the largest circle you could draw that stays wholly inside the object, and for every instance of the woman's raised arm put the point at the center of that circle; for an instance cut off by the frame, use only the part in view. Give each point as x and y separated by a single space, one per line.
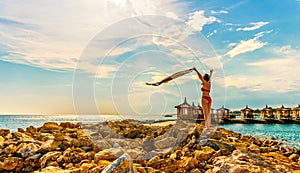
210 74
199 75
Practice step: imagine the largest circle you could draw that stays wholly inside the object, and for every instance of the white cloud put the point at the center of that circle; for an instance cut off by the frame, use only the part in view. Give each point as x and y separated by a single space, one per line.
219 12
255 25
246 46
285 50
276 74
180 31
53 35
197 20
181 52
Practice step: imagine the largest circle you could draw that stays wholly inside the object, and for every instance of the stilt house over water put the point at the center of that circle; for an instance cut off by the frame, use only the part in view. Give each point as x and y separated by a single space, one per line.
222 113
283 113
185 111
247 113
295 112
267 113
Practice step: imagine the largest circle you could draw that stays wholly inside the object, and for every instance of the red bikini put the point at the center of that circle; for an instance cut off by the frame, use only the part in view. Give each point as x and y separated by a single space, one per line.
208 98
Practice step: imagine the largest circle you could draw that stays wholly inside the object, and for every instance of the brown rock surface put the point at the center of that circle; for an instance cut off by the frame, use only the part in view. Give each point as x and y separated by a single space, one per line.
128 146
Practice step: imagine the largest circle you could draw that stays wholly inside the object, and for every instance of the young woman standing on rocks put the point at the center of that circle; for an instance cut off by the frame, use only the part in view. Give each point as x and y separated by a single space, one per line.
206 99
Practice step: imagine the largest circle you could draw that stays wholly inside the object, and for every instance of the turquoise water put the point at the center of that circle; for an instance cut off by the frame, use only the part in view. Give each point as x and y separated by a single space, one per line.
289 134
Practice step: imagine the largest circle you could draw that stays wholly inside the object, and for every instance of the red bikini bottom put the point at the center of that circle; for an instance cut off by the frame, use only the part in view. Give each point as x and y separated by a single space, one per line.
207 98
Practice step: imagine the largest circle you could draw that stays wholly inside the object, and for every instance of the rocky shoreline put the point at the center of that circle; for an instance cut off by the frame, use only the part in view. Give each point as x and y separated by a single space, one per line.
129 146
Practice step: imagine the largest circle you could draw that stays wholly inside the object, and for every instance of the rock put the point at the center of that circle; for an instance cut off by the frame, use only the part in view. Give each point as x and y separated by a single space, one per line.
254 148
27 150
239 169
189 163
181 136
216 145
21 137
278 156
86 166
122 165
35 157
165 143
148 145
146 170
103 163
176 155
244 161
4 132
51 126
49 145
103 144
108 154
69 125
2 139
9 163
59 136
204 154
216 135
133 153
195 171
153 161
294 157
10 149
48 157
50 169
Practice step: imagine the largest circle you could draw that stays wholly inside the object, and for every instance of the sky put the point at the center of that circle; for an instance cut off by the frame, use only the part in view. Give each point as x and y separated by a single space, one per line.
94 57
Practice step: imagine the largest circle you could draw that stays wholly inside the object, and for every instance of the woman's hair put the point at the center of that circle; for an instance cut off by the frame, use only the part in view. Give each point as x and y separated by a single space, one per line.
206 77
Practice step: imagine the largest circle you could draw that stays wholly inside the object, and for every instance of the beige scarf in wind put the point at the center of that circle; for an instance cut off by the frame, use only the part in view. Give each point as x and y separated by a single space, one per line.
169 78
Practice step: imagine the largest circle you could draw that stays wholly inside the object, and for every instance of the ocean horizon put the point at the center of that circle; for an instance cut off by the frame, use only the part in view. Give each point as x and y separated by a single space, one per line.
288 134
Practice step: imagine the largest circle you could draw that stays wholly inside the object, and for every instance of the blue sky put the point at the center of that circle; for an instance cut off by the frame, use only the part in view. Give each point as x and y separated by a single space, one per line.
88 58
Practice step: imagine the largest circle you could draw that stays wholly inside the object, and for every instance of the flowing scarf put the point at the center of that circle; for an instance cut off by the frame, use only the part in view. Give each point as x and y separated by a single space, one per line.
169 78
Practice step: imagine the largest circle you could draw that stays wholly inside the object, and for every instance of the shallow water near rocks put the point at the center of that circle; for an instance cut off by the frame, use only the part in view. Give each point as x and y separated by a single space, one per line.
289 134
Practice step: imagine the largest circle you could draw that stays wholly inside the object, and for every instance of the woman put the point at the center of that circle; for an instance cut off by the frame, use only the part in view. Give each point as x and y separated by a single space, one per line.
206 99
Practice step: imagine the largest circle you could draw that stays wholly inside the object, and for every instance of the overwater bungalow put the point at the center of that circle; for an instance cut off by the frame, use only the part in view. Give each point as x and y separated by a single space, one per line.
222 113
295 112
247 113
185 111
267 113
283 113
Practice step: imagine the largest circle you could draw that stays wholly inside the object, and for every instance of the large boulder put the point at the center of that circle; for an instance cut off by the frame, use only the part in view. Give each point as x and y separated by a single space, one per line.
50 126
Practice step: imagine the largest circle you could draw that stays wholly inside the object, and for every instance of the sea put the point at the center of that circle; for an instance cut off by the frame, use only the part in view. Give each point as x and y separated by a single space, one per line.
288 134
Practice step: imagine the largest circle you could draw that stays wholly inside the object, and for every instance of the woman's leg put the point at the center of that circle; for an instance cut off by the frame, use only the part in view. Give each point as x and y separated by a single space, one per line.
205 111
209 115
